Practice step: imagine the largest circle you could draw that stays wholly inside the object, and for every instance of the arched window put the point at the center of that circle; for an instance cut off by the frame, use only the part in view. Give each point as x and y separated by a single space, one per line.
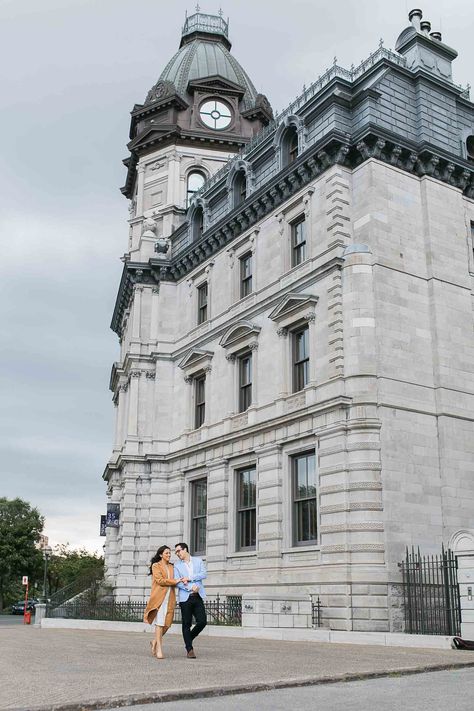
239 188
290 145
197 225
470 147
195 181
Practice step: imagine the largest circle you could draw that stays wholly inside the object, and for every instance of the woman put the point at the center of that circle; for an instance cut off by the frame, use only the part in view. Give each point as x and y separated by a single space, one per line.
160 608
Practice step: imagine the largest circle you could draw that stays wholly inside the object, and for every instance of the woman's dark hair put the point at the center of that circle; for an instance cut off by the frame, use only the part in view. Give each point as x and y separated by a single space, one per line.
158 555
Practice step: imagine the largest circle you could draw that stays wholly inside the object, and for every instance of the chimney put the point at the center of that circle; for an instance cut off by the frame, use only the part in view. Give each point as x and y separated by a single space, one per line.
436 36
415 17
425 27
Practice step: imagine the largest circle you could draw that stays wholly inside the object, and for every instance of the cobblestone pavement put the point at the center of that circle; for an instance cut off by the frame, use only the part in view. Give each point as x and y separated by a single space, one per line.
82 669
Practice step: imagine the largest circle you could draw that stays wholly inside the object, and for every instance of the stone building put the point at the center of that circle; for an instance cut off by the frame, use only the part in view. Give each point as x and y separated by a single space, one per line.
295 389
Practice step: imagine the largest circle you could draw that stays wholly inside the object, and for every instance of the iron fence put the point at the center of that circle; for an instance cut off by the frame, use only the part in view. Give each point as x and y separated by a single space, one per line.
220 610
431 593
316 616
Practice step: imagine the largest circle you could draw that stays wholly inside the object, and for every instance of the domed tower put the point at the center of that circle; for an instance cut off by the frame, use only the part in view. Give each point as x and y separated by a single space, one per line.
202 109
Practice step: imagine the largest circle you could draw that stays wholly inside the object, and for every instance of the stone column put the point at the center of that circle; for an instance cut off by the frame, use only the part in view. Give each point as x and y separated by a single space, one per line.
141 189
132 429
269 505
217 515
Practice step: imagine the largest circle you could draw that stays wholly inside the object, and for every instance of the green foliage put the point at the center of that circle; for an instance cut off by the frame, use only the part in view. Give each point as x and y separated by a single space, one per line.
20 529
66 566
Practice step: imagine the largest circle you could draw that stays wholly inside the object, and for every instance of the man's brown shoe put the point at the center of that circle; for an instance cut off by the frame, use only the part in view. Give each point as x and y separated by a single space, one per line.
191 655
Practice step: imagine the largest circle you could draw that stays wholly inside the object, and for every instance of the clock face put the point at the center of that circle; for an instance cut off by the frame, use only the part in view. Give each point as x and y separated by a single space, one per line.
215 114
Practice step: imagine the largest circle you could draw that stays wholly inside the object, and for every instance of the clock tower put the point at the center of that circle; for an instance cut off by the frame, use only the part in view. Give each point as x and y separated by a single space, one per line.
202 110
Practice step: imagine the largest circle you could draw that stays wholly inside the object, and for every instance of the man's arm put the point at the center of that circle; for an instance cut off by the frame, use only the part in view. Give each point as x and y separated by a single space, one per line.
177 574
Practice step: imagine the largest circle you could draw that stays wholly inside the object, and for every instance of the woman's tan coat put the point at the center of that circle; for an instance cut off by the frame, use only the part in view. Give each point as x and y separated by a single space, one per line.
162 580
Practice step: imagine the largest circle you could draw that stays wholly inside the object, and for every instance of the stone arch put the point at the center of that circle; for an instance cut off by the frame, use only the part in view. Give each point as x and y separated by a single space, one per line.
462 541
290 123
238 168
196 209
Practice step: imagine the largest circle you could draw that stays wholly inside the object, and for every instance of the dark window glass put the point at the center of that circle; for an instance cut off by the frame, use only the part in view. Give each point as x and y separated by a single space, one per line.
298 242
300 358
200 396
305 522
198 224
195 182
198 516
246 275
202 303
292 146
246 509
240 188
245 382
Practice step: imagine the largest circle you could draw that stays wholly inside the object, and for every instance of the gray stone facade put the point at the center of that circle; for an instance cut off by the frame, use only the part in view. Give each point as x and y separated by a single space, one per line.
384 181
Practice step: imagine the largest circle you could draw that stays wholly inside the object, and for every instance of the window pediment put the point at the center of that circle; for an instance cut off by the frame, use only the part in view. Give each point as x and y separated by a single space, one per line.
239 336
196 361
293 308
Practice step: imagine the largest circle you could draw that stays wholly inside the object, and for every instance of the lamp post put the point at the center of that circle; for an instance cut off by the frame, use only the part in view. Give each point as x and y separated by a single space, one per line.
47 551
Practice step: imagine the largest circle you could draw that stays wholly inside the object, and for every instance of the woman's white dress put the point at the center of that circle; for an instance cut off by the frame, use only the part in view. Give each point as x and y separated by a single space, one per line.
161 616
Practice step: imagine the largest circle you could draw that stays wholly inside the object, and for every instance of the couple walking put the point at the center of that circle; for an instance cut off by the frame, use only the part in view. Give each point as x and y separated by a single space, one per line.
187 575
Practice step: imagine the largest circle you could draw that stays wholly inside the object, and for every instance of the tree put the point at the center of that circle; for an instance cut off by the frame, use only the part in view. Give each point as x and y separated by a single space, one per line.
66 566
20 529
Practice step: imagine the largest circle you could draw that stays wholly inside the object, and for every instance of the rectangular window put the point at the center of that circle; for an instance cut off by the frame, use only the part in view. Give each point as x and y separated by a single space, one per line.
298 242
202 303
245 382
245 275
246 509
300 346
305 524
200 398
198 516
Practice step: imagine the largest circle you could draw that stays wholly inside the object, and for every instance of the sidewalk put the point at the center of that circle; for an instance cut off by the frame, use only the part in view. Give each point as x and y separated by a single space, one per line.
80 670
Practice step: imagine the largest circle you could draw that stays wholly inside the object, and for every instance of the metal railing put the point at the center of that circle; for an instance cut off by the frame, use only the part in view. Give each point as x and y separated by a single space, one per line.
431 593
77 587
316 615
220 610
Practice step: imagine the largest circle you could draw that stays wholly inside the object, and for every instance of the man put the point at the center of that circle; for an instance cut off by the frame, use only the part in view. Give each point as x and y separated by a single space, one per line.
191 595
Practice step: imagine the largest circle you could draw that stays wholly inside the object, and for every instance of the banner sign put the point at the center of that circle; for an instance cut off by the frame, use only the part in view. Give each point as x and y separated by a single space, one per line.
113 515
103 520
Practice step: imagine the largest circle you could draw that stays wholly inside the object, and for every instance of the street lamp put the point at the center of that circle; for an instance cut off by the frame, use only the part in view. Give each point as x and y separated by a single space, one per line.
47 551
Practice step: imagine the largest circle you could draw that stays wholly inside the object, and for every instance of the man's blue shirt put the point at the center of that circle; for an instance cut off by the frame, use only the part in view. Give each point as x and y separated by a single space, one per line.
199 574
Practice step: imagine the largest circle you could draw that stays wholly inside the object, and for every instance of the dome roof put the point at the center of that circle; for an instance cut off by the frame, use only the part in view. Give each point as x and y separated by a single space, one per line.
203 53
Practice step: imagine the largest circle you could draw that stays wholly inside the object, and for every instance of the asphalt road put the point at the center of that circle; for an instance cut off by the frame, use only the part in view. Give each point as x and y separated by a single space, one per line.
436 691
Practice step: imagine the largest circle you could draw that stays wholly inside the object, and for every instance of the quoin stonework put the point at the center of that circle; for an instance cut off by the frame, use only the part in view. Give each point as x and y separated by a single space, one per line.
295 389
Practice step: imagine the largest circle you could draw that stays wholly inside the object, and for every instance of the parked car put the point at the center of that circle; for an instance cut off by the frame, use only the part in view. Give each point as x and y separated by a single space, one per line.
18 608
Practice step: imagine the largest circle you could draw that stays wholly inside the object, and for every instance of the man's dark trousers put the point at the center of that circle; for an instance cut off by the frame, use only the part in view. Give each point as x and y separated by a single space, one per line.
193 607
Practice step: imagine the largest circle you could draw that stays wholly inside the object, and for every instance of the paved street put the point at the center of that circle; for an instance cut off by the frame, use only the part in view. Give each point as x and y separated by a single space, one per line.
11 620
436 691
67 667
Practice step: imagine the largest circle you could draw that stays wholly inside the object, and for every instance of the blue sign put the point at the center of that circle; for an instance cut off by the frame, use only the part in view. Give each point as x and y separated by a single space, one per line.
113 515
103 520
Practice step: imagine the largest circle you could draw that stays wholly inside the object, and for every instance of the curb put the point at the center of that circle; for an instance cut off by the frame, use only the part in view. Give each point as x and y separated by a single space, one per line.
164 696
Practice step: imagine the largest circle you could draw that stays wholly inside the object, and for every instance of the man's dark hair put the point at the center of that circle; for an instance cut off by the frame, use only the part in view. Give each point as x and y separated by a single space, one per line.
184 546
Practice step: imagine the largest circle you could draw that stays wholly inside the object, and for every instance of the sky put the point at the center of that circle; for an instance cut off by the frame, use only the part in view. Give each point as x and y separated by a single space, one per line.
72 71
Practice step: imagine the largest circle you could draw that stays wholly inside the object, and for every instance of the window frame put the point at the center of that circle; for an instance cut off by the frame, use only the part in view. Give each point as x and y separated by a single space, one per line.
299 250
245 388
242 510
298 363
202 306
190 193
196 518
298 542
199 404
245 282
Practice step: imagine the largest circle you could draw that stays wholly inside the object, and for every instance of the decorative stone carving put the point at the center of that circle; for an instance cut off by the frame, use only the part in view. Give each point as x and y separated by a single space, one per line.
150 375
149 228
135 373
310 317
231 357
162 247
159 91
282 332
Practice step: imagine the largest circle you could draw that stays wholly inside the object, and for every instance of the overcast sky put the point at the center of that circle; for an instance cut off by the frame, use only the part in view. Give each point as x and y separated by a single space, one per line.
72 70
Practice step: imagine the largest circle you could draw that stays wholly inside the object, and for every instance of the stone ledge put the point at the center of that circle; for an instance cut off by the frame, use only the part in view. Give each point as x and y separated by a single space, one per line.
386 639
